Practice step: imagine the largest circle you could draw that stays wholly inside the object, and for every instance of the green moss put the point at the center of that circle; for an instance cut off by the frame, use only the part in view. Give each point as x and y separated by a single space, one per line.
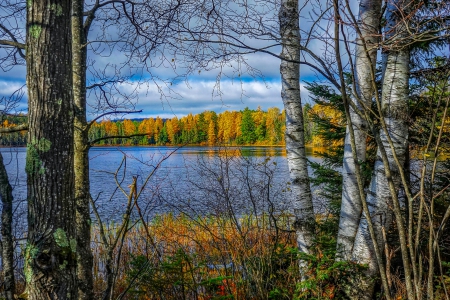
33 160
43 144
28 272
73 245
61 238
29 3
59 102
30 253
35 31
33 251
56 8
63 265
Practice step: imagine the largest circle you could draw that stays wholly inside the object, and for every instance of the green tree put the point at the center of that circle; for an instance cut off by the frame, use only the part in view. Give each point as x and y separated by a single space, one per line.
202 127
247 127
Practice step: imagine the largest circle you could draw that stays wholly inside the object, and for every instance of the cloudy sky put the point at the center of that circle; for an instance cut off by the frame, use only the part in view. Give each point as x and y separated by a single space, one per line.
152 94
198 93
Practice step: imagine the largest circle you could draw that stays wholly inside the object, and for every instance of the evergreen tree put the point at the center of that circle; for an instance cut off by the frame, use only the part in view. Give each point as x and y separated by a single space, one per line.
248 127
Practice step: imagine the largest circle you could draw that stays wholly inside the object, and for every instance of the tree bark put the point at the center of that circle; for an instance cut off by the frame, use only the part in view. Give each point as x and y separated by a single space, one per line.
7 253
364 75
50 255
394 111
81 156
295 135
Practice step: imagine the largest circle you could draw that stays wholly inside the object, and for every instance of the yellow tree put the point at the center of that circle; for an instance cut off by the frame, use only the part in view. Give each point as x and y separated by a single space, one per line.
333 115
110 130
211 133
220 128
147 126
229 126
173 128
271 122
128 127
236 130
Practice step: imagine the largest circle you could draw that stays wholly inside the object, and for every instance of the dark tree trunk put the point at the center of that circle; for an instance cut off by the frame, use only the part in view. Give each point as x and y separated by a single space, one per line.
81 159
7 242
50 256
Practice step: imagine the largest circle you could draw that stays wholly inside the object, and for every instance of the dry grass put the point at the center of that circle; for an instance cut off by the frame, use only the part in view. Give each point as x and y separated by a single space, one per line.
204 258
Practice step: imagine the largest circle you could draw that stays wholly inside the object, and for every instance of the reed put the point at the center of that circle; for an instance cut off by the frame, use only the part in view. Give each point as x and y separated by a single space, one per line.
211 257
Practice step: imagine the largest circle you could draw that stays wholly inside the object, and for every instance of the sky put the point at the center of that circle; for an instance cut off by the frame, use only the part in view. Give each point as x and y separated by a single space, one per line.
201 91
195 95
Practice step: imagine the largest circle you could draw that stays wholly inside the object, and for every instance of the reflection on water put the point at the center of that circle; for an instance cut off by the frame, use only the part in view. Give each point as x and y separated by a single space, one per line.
249 151
246 151
174 179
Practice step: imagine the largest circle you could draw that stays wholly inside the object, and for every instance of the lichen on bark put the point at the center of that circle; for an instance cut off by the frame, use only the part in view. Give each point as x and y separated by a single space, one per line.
35 31
33 161
57 9
61 238
63 265
31 252
73 245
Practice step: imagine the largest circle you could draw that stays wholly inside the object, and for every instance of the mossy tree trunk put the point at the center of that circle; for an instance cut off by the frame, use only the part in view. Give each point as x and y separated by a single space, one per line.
81 158
50 256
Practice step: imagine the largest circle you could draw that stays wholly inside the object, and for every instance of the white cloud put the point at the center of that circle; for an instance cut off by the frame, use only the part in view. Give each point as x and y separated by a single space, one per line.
200 96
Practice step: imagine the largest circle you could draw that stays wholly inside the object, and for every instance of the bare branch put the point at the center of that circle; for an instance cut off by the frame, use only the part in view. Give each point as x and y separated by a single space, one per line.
17 128
117 137
14 41
111 113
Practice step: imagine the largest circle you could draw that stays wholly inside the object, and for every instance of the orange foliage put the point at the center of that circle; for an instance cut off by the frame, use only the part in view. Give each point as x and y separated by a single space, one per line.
128 127
172 129
215 247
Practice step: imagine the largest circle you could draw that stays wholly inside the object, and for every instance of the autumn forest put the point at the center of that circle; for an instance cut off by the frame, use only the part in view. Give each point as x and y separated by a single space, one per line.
247 127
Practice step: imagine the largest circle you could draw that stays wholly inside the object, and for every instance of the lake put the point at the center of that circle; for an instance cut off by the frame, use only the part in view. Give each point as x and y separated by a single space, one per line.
193 180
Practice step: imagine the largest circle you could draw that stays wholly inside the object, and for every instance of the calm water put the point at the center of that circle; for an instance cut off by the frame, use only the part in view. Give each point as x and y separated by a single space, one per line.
193 180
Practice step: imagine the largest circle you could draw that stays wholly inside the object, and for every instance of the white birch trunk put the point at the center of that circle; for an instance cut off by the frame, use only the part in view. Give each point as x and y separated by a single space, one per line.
365 60
395 113
294 135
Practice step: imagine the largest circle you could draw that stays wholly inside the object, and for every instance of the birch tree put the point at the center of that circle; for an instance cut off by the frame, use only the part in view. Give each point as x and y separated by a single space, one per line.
392 141
294 134
364 72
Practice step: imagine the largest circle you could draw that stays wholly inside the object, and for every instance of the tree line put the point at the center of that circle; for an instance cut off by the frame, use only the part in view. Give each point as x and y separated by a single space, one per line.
247 127
207 128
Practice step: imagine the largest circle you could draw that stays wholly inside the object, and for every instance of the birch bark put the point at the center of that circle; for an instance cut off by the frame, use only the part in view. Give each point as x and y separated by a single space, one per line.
394 110
365 61
294 135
